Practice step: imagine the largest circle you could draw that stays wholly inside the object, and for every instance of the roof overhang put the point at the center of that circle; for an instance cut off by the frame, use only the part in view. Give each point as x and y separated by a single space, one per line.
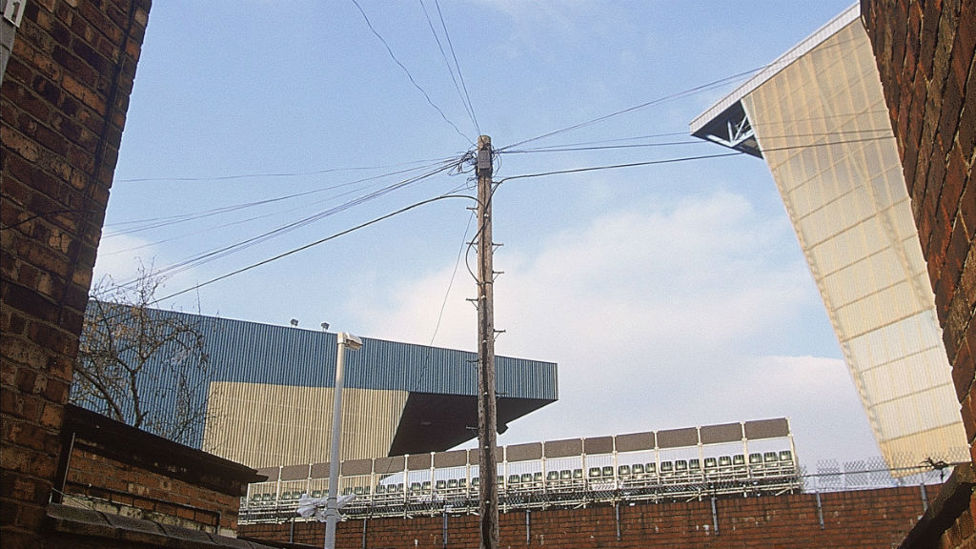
433 422
727 123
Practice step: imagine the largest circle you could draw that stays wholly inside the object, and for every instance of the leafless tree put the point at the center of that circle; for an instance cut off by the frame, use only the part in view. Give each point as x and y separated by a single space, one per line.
142 366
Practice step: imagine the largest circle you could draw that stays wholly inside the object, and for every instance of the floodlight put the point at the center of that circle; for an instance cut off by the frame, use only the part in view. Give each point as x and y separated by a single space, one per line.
351 342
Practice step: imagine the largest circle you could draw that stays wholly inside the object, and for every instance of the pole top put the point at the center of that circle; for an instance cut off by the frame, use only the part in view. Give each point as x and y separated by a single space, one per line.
484 141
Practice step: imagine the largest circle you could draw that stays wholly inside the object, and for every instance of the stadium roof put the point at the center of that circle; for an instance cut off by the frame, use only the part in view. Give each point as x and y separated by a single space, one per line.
276 369
726 122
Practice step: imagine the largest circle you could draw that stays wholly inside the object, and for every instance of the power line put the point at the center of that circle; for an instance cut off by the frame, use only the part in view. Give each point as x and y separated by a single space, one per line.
275 174
495 188
605 147
467 105
669 97
617 166
657 101
152 223
312 244
693 142
407 72
240 245
686 159
457 65
213 227
450 284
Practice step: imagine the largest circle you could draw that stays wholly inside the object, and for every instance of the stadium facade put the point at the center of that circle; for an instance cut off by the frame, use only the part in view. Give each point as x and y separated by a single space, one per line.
817 116
268 394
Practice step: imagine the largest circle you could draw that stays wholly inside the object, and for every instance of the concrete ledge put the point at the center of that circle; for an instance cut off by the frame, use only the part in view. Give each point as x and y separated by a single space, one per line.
952 501
88 524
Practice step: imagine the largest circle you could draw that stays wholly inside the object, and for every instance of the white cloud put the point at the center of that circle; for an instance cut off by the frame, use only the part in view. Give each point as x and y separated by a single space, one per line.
120 257
658 315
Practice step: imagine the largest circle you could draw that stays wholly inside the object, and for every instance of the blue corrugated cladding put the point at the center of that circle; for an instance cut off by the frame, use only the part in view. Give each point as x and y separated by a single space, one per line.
249 352
261 353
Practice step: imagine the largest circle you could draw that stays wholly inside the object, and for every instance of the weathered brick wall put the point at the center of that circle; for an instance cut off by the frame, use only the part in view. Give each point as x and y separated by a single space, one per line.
109 485
870 518
925 54
62 109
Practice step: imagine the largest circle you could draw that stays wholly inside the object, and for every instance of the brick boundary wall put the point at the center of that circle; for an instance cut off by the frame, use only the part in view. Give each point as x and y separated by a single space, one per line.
925 55
148 477
62 110
859 519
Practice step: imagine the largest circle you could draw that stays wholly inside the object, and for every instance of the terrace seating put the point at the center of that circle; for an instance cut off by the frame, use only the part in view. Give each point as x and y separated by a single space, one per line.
552 478
739 468
513 480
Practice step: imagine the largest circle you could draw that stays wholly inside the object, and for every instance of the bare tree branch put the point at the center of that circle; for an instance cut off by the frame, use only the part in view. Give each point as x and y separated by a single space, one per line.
142 366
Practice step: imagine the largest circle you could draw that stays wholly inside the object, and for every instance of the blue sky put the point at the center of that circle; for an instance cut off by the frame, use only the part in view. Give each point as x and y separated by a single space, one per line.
670 295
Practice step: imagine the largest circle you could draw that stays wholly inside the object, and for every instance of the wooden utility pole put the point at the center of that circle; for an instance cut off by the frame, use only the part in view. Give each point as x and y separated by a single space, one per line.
487 419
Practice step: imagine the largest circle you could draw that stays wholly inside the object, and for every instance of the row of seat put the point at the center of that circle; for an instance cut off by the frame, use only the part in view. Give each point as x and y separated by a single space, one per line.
757 465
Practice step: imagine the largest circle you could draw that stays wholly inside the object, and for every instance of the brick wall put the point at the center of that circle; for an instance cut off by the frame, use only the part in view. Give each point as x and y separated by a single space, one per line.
62 109
118 469
870 518
113 486
925 55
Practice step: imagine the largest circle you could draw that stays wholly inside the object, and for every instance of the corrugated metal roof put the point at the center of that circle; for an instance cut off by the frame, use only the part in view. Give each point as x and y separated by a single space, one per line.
252 352
262 353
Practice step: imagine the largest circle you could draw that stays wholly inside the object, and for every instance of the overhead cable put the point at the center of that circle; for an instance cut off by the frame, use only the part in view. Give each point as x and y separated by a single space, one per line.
685 159
312 244
243 244
407 72
450 69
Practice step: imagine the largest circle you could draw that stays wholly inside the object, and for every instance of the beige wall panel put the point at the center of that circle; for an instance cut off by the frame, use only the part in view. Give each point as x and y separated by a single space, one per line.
263 424
818 122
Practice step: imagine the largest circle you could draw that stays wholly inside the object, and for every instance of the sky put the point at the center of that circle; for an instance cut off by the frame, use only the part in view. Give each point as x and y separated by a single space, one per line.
670 295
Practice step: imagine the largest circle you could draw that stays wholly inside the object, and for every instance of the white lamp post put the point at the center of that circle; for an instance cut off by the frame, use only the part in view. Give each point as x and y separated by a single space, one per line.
332 507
